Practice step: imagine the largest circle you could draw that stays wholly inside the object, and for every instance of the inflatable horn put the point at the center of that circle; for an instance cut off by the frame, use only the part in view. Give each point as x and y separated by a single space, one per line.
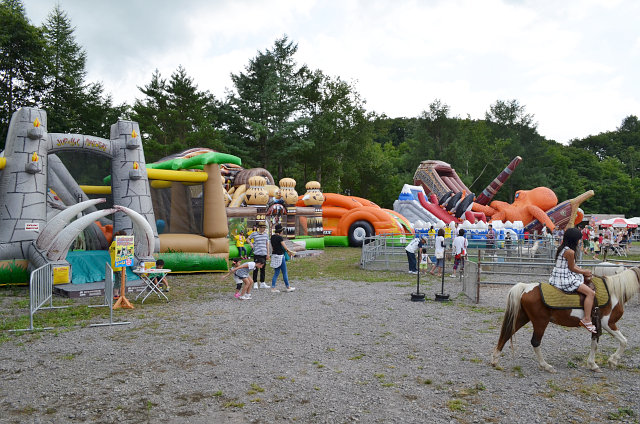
491 190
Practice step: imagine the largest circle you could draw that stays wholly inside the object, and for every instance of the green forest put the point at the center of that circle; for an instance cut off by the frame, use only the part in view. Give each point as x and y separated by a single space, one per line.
302 123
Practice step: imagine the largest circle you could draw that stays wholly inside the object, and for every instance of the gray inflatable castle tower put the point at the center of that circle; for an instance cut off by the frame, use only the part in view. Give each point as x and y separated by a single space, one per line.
25 230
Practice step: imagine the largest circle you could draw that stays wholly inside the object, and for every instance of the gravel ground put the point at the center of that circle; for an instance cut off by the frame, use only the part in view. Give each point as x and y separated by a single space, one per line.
330 352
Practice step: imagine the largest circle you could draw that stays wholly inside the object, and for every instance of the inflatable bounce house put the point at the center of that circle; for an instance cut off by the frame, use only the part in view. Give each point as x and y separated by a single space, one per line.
36 227
174 208
439 198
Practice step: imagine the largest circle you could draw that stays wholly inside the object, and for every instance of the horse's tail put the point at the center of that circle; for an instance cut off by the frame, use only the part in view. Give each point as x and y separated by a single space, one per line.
509 322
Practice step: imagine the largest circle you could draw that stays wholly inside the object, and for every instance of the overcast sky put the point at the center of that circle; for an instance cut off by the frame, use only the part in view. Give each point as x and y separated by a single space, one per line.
573 64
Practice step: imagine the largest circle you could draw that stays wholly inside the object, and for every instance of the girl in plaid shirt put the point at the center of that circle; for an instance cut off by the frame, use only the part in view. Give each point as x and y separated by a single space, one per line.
569 277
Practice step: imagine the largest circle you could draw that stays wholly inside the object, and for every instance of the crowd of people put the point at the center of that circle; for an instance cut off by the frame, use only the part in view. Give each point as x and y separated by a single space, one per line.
595 241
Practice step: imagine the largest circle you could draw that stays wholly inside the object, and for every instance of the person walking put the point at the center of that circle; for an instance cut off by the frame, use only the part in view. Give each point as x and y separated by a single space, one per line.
259 241
278 260
439 252
460 245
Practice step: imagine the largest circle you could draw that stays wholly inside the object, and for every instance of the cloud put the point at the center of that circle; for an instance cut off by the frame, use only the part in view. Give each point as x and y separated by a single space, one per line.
571 64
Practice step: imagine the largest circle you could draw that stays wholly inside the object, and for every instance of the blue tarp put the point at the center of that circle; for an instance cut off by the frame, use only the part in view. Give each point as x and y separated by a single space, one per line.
88 266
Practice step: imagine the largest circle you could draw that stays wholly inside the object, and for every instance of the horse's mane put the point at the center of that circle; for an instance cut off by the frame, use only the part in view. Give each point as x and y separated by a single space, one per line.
623 285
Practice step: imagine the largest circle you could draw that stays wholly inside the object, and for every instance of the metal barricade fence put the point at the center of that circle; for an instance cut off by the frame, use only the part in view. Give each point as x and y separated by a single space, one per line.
40 291
385 252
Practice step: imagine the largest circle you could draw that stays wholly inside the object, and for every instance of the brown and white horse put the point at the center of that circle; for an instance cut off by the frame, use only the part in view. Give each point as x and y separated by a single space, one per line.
524 304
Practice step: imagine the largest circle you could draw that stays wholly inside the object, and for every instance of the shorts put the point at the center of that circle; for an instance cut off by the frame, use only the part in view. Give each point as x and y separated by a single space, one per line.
440 263
424 265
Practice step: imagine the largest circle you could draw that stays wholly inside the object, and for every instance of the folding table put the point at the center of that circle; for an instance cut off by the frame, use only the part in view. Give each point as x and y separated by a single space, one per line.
148 276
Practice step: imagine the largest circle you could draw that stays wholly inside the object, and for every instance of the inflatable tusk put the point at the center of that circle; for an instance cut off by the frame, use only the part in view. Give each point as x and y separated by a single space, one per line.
55 226
144 239
58 248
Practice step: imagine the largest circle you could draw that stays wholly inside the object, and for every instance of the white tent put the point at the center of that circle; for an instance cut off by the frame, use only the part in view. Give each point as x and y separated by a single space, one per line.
635 220
617 223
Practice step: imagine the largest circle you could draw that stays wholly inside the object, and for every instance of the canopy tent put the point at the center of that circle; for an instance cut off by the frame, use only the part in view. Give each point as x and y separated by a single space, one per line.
618 223
635 220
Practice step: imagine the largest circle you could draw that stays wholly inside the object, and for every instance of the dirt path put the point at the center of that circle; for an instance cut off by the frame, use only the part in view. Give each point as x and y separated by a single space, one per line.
332 351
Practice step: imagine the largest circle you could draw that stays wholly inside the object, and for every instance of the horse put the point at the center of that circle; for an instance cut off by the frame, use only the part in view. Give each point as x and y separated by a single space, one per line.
607 268
524 304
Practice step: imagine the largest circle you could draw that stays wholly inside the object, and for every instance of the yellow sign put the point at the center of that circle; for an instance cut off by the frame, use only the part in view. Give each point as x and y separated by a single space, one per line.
124 251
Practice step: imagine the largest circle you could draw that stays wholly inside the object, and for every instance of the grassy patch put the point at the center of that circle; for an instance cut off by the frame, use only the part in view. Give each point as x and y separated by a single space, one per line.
517 371
621 414
233 404
255 388
456 405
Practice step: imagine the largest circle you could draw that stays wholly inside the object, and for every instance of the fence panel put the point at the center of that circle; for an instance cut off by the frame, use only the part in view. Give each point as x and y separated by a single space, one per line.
471 281
40 292
384 252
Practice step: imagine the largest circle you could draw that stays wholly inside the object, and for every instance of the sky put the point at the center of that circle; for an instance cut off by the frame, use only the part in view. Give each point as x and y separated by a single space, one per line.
573 64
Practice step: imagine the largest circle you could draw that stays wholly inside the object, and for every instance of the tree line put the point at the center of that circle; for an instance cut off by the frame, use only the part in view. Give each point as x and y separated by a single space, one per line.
305 124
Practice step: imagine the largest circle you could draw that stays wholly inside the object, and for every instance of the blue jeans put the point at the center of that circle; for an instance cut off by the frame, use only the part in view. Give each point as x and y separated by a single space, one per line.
411 257
285 276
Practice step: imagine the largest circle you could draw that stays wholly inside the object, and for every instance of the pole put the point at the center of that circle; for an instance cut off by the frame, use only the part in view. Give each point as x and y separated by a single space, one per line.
123 302
417 296
442 297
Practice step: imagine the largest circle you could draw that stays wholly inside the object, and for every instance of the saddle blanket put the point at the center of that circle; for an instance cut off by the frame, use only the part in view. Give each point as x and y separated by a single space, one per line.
555 298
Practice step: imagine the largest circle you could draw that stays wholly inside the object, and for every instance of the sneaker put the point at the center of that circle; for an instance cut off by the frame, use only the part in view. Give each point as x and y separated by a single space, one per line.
290 289
245 297
255 285
413 272
237 295
275 291
263 286
453 275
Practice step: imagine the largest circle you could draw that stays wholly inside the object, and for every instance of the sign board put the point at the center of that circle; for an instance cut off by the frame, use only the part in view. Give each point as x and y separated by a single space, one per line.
124 251
31 226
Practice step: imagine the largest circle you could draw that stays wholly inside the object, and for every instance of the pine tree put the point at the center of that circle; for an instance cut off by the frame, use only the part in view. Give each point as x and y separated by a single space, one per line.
266 107
66 72
175 116
21 62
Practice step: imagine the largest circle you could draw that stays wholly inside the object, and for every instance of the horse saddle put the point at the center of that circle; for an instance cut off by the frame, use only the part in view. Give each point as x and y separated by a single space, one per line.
555 298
